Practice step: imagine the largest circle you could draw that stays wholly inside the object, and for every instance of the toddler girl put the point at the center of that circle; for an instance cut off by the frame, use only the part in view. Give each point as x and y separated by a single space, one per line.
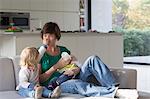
29 76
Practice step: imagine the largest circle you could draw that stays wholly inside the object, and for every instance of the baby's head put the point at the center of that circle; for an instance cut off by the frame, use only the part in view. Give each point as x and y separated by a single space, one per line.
65 56
29 56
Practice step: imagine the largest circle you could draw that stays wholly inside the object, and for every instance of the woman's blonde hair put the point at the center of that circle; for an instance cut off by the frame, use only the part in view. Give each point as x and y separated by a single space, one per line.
29 57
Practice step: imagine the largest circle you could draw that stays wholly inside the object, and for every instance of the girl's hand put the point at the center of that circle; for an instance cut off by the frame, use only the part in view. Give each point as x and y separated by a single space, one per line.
45 41
37 85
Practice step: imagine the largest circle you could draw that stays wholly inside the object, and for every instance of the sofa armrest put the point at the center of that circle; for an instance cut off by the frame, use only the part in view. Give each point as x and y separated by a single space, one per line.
127 78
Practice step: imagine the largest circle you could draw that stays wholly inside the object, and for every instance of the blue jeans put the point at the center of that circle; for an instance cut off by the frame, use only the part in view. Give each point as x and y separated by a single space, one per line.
92 66
30 92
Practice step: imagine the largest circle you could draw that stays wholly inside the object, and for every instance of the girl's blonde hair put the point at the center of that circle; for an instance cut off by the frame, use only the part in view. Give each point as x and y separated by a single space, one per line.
29 57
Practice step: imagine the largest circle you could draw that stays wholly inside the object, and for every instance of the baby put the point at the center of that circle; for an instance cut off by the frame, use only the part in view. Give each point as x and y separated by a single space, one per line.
62 78
70 66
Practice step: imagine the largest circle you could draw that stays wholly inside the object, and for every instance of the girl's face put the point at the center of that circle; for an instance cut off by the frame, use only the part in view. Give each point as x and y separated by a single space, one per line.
49 39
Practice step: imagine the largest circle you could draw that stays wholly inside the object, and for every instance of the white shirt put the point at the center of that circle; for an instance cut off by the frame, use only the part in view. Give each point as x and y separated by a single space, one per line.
27 76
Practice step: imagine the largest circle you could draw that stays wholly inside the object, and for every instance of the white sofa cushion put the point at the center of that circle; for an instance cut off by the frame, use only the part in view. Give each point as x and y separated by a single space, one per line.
7 77
14 95
16 60
10 95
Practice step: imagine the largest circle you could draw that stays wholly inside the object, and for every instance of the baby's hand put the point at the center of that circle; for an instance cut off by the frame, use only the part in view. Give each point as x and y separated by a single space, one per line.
73 71
69 73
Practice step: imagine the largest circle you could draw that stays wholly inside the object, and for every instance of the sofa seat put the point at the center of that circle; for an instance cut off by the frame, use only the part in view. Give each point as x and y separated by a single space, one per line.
14 95
9 95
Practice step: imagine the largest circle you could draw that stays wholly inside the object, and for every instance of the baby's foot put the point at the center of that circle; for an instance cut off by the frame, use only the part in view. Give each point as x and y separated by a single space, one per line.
38 92
56 92
53 84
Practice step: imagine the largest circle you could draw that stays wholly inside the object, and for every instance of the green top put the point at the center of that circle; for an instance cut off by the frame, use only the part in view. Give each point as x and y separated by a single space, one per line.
48 61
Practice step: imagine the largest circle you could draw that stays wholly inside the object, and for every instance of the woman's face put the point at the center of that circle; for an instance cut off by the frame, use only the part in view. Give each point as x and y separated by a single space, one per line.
49 39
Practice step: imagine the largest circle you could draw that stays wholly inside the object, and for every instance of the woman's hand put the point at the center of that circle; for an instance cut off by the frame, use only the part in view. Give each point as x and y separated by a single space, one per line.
61 63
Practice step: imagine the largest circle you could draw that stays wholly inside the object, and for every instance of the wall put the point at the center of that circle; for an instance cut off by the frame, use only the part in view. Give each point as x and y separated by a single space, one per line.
101 44
101 17
109 46
63 12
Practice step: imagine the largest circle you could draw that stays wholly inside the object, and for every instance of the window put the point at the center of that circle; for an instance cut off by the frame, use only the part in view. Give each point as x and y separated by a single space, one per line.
132 18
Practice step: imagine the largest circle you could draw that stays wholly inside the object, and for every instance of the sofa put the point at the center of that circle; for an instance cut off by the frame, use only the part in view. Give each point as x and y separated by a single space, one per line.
9 69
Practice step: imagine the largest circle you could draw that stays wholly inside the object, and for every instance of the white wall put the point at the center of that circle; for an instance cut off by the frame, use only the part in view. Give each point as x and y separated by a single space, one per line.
101 17
108 46
64 12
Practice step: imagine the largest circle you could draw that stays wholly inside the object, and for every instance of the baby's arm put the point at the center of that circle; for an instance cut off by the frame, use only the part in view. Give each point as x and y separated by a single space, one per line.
72 72
73 68
77 65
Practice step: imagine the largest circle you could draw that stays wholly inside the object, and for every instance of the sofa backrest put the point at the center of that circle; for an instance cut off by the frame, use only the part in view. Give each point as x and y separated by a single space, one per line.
127 78
16 60
7 77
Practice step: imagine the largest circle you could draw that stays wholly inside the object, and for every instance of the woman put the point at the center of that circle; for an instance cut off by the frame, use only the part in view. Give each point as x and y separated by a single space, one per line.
52 61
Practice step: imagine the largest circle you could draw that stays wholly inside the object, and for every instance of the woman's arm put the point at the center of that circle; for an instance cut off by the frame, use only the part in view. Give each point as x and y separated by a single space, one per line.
45 76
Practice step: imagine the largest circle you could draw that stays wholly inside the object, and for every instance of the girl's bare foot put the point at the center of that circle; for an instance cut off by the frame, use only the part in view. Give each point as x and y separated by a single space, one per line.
38 92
